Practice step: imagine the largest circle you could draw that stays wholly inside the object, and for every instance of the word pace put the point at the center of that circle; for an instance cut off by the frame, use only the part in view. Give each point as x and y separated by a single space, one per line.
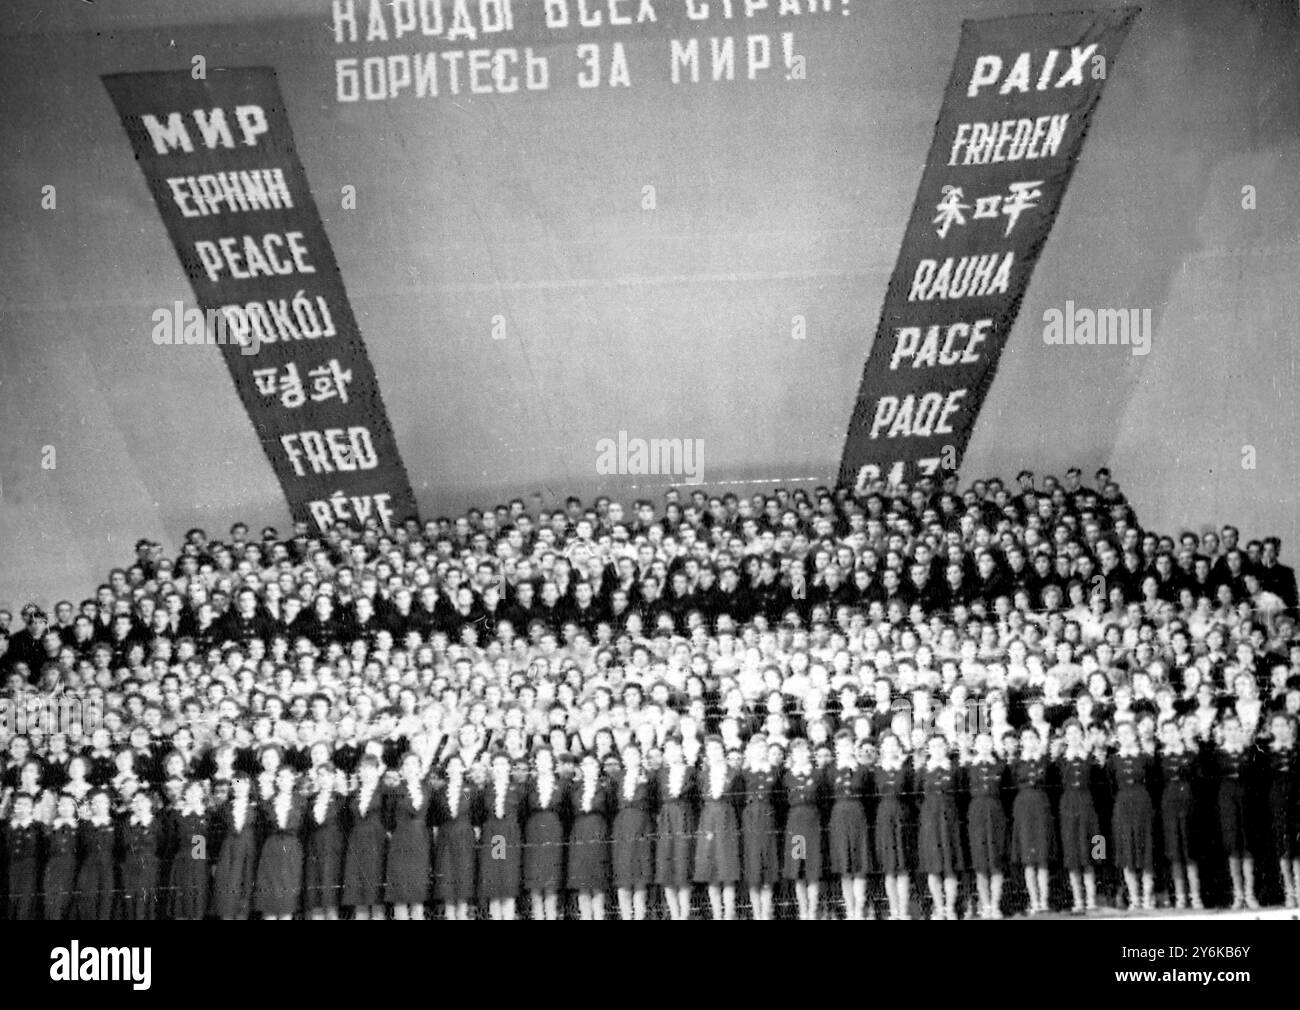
1125 327
103 964
677 456
956 343
961 277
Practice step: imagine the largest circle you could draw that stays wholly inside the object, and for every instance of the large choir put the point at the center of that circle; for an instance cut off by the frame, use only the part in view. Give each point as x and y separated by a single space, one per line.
909 701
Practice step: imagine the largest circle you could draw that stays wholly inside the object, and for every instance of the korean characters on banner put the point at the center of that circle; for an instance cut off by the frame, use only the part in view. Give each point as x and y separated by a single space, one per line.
1010 131
219 157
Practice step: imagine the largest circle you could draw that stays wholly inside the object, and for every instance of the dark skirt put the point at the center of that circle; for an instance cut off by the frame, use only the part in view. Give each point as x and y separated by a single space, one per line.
500 859
407 872
717 845
941 836
894 830
1133 825
235 876
1033 839
58 881
589 856
24 888
1234 829
363 868
279 875
1284 817
1178 823
761 845
673 843
633 849
987 827
1079 828
140 888
455 862
323 867
95 884
187 880
544 852
849 838
804 840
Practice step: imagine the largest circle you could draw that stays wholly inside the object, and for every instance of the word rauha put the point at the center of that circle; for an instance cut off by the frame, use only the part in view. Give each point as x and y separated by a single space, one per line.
103 964
677 456
961 277
1128 327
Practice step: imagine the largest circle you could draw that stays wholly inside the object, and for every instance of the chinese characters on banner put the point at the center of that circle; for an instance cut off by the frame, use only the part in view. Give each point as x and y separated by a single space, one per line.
1010 132
219 158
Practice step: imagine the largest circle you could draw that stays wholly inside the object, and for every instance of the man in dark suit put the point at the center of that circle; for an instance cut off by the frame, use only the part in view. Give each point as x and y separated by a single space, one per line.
25 645
246 621
1276 577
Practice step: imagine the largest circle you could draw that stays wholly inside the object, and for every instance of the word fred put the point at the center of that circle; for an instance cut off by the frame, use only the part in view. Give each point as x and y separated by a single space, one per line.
330 450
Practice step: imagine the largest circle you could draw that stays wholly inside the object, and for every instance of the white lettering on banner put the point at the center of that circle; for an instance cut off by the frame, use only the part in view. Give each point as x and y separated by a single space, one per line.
988 71
329 381
1020 197
429 73
702 10
755 50
869 473
272 278
330 450
958 345
272 319
986 142
350 509
245 257
916 418
445 72
961 277
213 128
221 192
465 19
588 13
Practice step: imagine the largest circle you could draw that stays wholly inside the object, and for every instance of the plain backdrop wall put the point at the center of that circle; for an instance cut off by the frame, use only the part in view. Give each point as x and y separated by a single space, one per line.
773 199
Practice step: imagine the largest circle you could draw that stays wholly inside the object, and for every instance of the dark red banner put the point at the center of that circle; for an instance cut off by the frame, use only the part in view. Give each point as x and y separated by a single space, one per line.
1011 129
219 158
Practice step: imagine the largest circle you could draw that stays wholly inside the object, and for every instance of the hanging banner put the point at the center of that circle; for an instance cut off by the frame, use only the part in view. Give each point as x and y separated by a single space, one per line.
1012 126
219 158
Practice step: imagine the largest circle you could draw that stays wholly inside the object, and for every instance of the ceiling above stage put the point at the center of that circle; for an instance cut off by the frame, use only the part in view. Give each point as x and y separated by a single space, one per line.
23 17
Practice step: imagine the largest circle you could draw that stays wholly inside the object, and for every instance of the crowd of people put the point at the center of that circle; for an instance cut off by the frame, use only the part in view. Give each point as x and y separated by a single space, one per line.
882 702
